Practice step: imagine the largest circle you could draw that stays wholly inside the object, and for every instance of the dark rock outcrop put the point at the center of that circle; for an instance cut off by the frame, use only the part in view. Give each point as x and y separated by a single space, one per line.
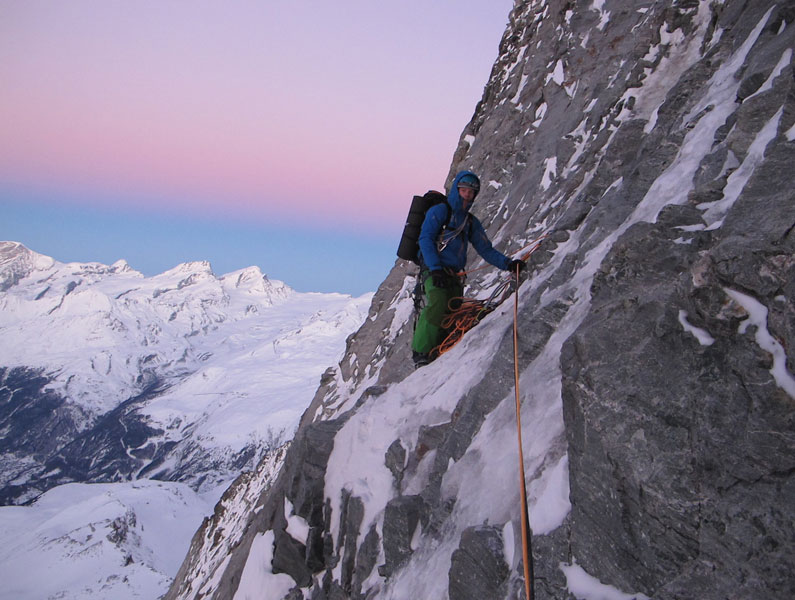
478 568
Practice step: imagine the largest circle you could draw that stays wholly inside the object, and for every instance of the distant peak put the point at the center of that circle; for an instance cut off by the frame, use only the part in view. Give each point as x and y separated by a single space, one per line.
253 280
247 276
192 267
17 262
121 266
9 246
15 251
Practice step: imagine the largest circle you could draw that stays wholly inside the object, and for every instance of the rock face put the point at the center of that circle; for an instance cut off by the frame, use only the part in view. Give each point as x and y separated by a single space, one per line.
651 143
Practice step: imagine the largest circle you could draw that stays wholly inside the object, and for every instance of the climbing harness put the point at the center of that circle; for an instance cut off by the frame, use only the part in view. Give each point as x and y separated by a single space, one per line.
527 535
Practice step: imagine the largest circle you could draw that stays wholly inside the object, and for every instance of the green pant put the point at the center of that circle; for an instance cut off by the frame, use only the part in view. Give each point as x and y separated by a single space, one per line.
428 333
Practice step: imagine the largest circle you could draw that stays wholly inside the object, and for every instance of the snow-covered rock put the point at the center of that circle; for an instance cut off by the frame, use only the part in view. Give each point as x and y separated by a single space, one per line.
651 144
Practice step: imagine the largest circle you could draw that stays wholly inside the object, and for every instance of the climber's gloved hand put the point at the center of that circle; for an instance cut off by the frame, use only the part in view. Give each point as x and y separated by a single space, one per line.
516 264
439 278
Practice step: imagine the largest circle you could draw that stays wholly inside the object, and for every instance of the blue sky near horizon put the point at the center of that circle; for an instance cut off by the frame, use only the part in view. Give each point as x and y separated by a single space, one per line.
283 135
307 259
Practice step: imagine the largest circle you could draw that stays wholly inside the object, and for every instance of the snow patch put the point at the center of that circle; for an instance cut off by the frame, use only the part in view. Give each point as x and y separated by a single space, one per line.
757 316
673 185
558 74
522 83
682 53
509 544
604 16
586 587
581 140
715 211
297 526
782 64
704 338
551 498
550 172
616 185
539 115
258 575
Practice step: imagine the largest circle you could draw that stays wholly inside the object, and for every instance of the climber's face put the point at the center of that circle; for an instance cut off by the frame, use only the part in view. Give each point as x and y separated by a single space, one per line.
467 195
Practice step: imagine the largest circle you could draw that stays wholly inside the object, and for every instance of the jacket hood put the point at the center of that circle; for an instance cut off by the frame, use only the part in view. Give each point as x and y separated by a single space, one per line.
453 199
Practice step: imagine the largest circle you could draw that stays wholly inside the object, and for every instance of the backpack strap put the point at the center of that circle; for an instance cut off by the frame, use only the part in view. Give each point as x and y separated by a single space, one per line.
449 215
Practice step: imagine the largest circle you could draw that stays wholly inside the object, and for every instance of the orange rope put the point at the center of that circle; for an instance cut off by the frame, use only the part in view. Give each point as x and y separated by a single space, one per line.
527 536
460 320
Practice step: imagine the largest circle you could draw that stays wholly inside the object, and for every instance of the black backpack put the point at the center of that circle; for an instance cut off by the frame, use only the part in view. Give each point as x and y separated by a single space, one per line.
409 241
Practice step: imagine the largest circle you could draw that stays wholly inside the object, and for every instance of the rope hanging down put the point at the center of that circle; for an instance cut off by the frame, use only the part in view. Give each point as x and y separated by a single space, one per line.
464 314
527 550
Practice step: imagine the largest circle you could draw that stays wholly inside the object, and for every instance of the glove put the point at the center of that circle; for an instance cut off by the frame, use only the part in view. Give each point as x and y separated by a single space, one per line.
512 266
439 278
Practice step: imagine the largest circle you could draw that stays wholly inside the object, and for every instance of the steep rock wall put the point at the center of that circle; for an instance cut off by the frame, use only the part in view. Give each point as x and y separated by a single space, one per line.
652 142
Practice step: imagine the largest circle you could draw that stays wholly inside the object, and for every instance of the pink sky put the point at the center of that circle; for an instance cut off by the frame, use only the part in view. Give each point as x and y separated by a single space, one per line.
308 110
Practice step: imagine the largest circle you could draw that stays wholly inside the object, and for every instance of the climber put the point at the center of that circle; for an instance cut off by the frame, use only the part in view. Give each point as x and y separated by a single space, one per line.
443 250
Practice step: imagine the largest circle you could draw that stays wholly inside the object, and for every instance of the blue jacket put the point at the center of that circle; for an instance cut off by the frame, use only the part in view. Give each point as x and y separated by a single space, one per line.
455 238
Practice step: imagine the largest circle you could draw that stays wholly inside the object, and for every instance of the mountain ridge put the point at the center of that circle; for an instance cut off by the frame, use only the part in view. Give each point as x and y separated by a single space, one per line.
114 357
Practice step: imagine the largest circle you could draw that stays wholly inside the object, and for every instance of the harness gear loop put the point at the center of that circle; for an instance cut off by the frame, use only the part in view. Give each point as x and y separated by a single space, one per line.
527 535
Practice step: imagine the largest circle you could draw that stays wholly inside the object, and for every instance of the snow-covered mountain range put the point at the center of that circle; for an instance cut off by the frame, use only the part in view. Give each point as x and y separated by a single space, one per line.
651 144
110 376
